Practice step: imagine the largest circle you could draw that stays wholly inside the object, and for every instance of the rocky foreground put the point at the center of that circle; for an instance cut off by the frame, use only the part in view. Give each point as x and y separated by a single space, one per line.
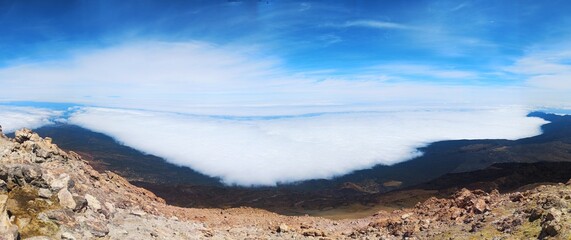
47 193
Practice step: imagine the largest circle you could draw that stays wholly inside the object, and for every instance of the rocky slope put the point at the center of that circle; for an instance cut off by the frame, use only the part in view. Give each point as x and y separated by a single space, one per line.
47 193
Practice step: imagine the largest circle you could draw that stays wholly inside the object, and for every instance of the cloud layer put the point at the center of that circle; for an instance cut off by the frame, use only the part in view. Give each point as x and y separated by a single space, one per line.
266 151
191 77
13 118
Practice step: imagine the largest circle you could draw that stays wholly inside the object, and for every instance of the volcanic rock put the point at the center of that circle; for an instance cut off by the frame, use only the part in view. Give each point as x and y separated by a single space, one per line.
7 230
283 228
92 202
66 199
44 193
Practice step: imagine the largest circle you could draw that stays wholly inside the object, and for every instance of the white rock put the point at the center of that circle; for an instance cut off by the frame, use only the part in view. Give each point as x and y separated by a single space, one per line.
4 220
138 213
110 207
67 236
92 202
7 230
45 193
38 238
59 182
283 228
66 199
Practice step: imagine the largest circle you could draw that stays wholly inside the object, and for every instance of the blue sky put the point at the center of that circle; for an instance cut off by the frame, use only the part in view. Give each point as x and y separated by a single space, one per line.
308 35
440 43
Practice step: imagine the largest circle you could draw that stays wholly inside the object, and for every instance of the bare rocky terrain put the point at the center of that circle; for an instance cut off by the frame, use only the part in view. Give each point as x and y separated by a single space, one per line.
48 193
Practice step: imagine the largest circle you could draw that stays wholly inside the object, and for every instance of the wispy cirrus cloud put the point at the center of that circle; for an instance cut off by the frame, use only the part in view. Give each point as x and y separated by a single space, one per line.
545 69
459 6
426 71
377 24
545 73
443 38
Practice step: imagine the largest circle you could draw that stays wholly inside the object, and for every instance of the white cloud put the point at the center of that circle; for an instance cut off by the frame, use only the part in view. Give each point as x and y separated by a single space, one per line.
546 74
426 71
194 77
460 6
152 71
264 151
539 65
549 70
560 81
13 118
377 24
304 7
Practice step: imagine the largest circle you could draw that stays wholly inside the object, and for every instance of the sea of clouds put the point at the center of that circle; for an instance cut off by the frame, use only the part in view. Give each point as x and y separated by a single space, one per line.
13 118
267 150
270 150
